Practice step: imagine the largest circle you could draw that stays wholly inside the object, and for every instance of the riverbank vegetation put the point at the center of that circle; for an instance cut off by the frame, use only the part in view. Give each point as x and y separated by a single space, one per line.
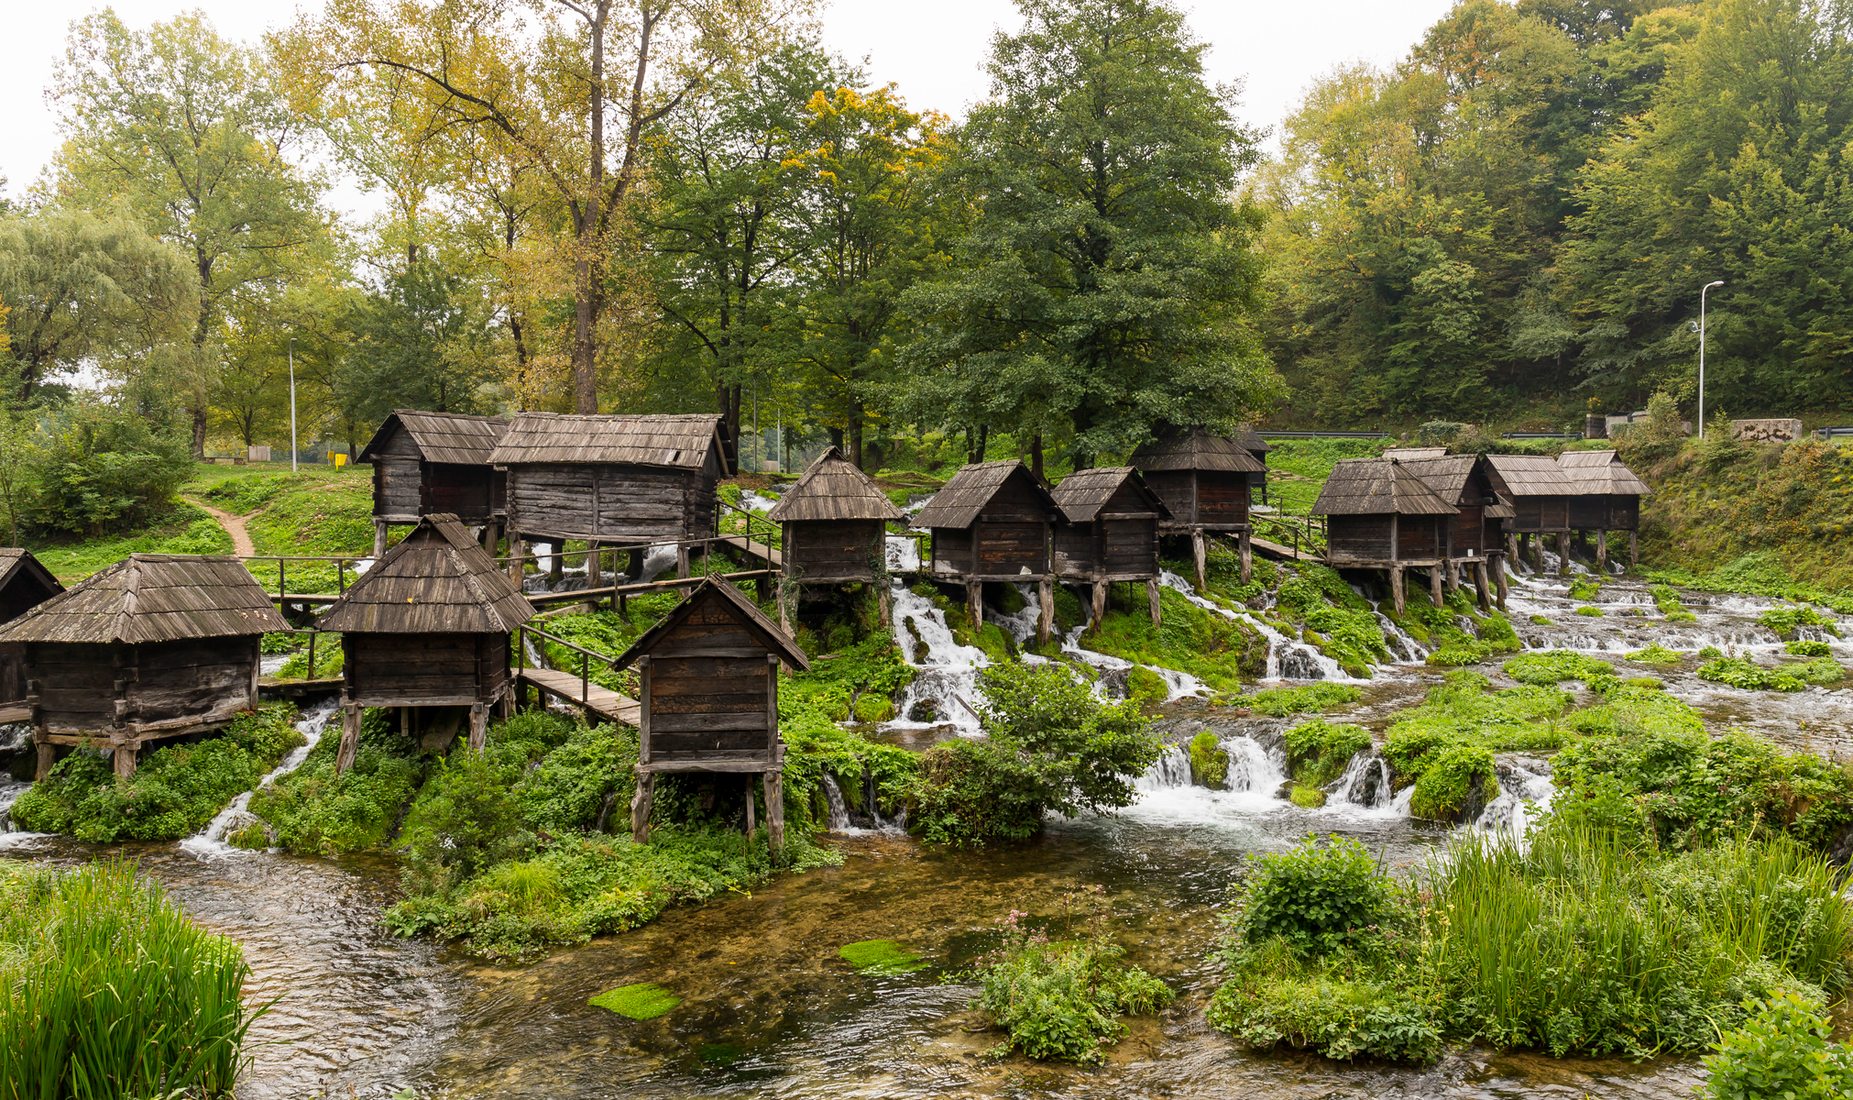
107 989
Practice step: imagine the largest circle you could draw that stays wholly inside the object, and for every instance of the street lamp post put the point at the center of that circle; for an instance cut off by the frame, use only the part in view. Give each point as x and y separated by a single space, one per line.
293 404
1702 292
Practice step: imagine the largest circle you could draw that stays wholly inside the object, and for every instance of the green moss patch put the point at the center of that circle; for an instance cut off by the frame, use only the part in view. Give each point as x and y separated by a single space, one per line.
1303 699
643 1001
882 958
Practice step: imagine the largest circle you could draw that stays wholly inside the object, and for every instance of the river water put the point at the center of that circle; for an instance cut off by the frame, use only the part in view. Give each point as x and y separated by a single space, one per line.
770 1011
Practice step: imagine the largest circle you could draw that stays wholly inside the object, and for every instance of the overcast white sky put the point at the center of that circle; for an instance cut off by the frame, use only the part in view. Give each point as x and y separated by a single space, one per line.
934 51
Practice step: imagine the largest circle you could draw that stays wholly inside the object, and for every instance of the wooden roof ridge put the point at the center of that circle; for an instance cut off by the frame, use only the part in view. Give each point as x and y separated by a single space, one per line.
1196 448
150 598
18 564
437 580
961 500
1600 473
672 441
1377 487
1530 475
1082 494
751 617
451 438
833 488
1405 454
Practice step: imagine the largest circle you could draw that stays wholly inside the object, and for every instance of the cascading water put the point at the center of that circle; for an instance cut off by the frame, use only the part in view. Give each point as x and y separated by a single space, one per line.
1525 791
945 687
754 501
209 843
903 554
1253 769
1365 784
1170 771
1287 658
839 810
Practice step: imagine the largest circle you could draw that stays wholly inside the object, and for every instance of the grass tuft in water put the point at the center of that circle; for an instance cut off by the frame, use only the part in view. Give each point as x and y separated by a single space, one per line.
642 1001
881 958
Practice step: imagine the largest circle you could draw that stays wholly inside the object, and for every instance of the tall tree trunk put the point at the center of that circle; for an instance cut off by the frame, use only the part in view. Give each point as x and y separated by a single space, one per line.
855 433
197 397
587 289
977 441
1035 455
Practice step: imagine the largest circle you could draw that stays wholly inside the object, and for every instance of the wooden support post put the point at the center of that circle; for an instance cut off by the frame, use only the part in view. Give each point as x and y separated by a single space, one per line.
884 602
1247 547
974 599
1602 551
751 825
640 807
633 568
1501 586
1435 574
1045 623
1563 552
492 534
682 568
48 755
379 538
1097 607
1479 585
556 561
350 738
1151 595
1512 547
787 595
1451 575
123 757
517 557
775 810
1396 588
1199 550
479 727
1537 551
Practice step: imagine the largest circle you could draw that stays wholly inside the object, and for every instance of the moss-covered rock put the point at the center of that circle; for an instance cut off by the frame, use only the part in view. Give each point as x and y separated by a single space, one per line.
1209 762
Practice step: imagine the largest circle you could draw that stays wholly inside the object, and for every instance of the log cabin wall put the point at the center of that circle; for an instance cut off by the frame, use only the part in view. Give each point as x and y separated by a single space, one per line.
12 673
1589 513
1222 499
833 551
952 550
1533 515
1174 488
1469 531
1624 513
1131 547
1075 551
1358 538
608 503
468 492
207 679
425 670
397 486
1010 548
1420 537
74 686
709 693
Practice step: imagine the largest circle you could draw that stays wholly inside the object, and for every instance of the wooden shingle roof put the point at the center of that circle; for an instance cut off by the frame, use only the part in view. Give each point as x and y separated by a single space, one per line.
1448 475
1251 441
150 598
1404 454
1083 493
1530 475
19 567
832 488
1377 487
960 501
1599 473
673 442
453 438
1197 449
708 593
436 581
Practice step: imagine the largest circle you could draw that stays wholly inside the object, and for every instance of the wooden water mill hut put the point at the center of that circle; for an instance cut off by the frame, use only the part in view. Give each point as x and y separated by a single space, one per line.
630 481
708 677
1474 538
430 462
1108 532
24 584
1539 493
1604 496
993 522
1257 449
427 627
1381 515
155 646
834 523
1205 482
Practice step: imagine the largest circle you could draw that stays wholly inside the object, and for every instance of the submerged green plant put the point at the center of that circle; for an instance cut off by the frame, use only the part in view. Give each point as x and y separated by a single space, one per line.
642 1001
884 958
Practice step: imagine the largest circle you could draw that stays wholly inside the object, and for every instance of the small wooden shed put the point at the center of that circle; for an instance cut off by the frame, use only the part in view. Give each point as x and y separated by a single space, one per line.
708 677
1257 449
1539 494
24 584
1108 532
155 646
1605 495
993 522
1205 481
431 462
833 526
632 481
1474 538
427 626
1381 515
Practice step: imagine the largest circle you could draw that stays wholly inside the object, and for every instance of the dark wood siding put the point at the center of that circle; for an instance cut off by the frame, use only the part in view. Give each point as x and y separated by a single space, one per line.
75 685
1011 547
396 486
1173 487
1469 531
952 550
1132 546
12 673
1536 514
1358 538
424 670
207 678
1420 536
469 492
1589 513
1624 513
1222 499
621 504
710 692
833 550
1074 550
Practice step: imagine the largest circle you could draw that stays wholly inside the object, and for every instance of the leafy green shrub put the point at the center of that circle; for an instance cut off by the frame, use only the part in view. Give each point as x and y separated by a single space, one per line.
92 465
1050 747
1741 672
1318 751
313 811
1808 649
583 780
1455 781
109 990
1146 688
1785 621
1666 600
1555 666
1209 763
1306 798
1318 898
1062 999
1342 1006
1314 698
1785 1048
1656 654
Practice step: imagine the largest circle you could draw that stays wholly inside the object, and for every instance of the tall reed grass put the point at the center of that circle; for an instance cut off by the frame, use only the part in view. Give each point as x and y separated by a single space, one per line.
107 990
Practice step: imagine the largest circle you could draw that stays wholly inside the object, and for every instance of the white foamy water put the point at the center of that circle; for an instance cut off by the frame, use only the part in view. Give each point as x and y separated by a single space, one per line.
946 677
209 843
1287 658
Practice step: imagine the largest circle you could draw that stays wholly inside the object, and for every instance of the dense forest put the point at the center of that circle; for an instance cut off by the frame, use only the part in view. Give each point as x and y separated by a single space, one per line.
655 205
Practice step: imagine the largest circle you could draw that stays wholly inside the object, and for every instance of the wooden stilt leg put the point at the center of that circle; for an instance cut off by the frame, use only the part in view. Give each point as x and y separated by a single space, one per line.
1563 552
752 826
1396 588
775 810
1200 551
48 756
1501 585
640 807
633 568
1451 575
1537 551
1099 605
556 560
788 594
124 759
974 598
379 538
350 738
682 569
1045 623
1512 548
479 727
1435 585
1151 596
1248 558
884 602
1602 551
1479 585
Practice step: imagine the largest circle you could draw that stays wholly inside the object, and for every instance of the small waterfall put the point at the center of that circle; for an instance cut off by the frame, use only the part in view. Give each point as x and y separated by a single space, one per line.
754 501
839 810
1252 768
1170 771
1404 649
209 843
16 737
945 684
1288 658
658 560
1525 791
903 554
9 794
1021 624
1365 784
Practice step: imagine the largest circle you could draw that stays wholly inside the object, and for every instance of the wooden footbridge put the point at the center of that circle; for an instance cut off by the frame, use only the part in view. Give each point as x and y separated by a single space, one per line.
579 690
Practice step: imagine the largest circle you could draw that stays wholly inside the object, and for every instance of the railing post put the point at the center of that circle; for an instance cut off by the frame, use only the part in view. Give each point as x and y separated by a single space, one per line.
312 635
521 650
281 587
585 676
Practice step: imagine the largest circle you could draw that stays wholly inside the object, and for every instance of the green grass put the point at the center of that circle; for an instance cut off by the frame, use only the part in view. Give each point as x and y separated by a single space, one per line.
1658 655
187 530
1215 649
643 1001
1316 698
1741 672
107 989
1318 751
882 958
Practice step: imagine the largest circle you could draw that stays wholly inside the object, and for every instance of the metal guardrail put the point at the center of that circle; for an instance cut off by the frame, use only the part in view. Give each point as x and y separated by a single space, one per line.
1542 435
1322 435
1833 433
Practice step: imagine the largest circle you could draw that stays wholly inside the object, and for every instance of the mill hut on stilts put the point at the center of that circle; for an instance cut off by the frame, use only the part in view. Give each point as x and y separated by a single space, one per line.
1257 448
708 680
1539 494
24 584
1108 533
1474 538
1381 516
427 628
156 646
425 463
1605 495
993 522
620 481
1204 480
833 525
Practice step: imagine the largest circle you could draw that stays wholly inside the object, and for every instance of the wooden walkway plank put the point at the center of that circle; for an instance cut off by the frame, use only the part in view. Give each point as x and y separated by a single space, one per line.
601 701
14 712
756 548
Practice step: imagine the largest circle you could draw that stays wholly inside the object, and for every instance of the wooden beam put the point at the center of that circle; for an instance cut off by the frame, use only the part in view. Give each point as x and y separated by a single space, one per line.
775 810
640 806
